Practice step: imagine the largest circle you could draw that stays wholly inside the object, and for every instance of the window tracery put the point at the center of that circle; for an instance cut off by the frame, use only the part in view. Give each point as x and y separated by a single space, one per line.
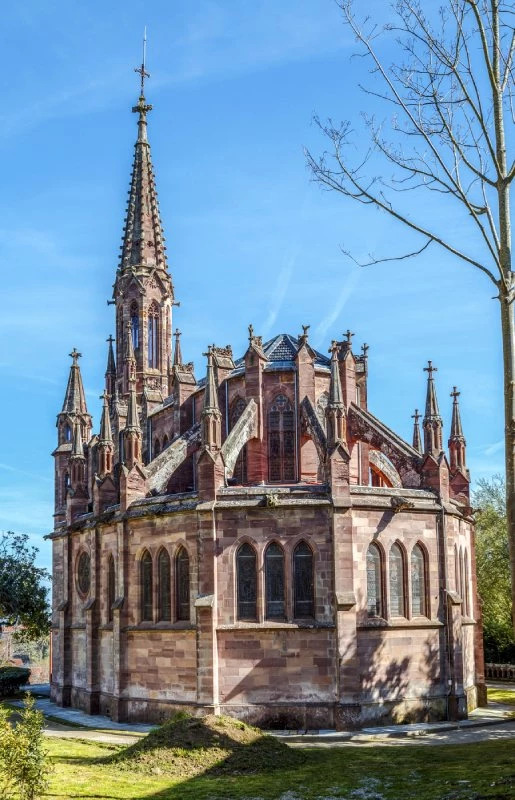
84 573
134 316
281 441
240 468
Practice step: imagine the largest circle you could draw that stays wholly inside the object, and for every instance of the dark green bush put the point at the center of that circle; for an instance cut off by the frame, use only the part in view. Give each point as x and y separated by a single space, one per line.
12 678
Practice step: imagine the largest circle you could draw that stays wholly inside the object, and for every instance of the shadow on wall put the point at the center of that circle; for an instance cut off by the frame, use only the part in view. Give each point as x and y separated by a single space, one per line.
401 690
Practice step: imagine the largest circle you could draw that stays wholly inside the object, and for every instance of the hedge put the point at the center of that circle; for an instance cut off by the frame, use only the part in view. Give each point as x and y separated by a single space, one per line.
12 678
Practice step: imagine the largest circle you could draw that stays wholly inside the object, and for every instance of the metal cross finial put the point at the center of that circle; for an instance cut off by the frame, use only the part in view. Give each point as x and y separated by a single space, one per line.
349 336
104 396
75 355
177 333
430 369
364 349
110 338
141 70
455 394
305 329
251 332
416 416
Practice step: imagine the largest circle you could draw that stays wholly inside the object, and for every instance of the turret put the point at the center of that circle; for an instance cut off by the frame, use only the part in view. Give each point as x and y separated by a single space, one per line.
417 440
177 355
105 440
457 443
432 422
211 416
74 410
110 374
335 411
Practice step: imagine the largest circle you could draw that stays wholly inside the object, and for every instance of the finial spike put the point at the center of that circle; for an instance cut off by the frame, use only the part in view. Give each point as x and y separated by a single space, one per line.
141 70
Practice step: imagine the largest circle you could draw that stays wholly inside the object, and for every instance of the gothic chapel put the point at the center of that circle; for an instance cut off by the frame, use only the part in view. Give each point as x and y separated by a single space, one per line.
254 542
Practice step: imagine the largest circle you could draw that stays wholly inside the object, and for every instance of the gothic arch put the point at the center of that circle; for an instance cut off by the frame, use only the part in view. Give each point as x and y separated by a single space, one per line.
281 440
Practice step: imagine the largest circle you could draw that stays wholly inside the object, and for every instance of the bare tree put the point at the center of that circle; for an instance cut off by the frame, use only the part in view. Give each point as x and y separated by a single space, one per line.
451 95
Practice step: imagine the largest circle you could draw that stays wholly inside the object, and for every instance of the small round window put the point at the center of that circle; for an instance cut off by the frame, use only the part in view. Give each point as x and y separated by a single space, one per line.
84 573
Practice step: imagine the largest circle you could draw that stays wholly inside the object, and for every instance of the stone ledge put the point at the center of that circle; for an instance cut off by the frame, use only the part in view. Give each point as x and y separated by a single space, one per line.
399 624
274 626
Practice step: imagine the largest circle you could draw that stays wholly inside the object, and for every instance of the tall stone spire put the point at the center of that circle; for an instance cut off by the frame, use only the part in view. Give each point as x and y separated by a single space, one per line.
177 354
457 443
417 440
143 240
432 422
75 399
335 411
211 416
143 289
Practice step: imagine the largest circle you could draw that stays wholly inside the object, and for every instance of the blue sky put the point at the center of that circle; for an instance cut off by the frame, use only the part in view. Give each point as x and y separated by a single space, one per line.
250 238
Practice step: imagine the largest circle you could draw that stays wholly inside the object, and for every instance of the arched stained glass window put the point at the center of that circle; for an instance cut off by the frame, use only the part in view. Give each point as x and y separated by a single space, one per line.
466 592
157 448
462 580
111 588
418 582
134 313
67 433
246 582
240 468
397 596
146 587
153 336
374 582
182 584
281 441
164 586
274 581
303 583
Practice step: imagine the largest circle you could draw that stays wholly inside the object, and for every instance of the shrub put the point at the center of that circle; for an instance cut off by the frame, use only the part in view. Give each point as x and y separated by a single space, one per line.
23 760
11 678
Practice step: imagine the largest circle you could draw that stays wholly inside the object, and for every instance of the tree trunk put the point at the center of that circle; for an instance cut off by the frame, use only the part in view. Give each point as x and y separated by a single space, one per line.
508 340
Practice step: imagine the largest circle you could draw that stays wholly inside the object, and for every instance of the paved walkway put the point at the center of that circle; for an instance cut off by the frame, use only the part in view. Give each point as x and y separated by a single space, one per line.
494 722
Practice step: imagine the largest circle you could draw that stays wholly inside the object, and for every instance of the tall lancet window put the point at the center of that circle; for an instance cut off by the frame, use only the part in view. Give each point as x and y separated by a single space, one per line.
153 336
281 441
135 324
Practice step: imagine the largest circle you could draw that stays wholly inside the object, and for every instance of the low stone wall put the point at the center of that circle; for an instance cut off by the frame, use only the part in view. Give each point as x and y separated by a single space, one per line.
500 672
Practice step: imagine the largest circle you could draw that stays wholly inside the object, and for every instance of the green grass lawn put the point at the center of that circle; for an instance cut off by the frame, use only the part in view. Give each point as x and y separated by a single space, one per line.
450 772
501 696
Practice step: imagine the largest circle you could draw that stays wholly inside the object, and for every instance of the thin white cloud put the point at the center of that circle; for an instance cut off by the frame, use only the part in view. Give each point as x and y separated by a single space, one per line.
279 294
33 475
328 321
494 448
